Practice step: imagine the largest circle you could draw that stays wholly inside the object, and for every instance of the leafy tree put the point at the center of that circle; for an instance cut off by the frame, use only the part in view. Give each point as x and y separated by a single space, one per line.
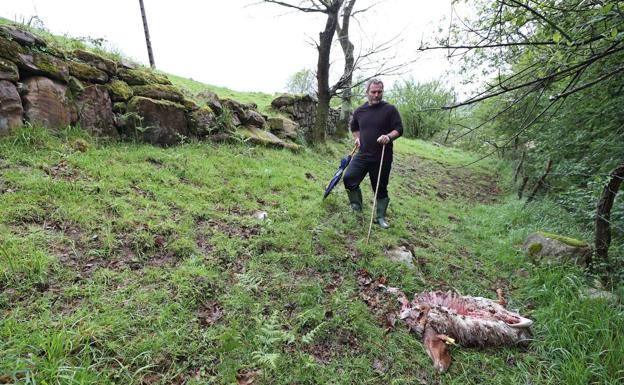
302 82
417 104
554 90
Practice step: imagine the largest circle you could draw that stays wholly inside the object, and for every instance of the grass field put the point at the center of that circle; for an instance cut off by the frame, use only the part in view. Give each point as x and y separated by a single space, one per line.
123 263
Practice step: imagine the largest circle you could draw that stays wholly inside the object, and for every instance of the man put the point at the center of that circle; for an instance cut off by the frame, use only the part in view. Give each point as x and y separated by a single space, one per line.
375 124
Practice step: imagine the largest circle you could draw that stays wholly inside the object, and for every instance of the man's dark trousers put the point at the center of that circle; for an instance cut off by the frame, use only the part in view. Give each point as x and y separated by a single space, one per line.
360 166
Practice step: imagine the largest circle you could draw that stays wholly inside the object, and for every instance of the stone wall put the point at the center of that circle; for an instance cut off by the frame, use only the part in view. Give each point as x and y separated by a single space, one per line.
47 86
302 110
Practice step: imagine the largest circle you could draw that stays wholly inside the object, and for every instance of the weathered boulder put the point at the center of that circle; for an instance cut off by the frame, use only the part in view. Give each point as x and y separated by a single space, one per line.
46 103
99 62
250 106
164 122
258 136
11 110
10 49
237 108
283 101
201 121
212 100
265 138
253 118
159 91
595 294
86 72
95 111
21 36
141 76
282 127
39 63
8 71
553 248
119 91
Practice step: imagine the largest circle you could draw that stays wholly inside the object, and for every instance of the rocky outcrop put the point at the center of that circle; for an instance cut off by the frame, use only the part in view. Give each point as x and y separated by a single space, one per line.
41 85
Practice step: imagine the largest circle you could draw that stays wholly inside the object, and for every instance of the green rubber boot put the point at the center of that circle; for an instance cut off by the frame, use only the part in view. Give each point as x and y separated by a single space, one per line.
382 206
355 198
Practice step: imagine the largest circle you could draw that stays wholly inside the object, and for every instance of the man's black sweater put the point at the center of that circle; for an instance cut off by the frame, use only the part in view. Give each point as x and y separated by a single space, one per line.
372 122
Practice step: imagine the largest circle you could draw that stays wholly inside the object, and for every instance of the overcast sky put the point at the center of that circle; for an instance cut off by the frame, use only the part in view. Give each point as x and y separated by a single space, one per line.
240 44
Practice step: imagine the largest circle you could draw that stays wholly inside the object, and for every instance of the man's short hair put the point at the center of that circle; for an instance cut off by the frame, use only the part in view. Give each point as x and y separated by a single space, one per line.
373 81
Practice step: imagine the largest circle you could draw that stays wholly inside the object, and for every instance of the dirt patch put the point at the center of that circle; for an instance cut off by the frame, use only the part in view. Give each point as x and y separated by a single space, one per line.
65 171
379 302
209 313
422 176
242 231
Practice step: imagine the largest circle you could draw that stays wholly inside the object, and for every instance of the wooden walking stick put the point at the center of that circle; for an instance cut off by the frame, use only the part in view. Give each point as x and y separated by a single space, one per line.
370 226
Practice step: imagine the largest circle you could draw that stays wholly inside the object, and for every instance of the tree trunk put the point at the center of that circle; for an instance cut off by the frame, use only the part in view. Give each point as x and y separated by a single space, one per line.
603 214
522 187
347 77
540 182
322 71
150 54
518 167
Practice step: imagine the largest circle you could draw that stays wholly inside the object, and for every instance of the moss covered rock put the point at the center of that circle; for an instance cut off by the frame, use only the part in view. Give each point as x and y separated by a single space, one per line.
99 62
10 50
162 122
554 248
283 101
75 86
189 104
141 76
8 70
159 91
21 36
201 121
86 72
119 91
39 63
264 138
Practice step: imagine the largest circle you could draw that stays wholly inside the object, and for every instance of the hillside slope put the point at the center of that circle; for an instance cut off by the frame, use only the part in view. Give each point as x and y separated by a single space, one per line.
123 263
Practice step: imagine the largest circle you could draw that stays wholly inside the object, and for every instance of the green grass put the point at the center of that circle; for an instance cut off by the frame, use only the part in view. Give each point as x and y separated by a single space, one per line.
132 264
263 100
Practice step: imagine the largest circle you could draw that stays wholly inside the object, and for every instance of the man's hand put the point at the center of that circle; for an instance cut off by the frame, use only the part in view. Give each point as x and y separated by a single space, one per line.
384 139
357 142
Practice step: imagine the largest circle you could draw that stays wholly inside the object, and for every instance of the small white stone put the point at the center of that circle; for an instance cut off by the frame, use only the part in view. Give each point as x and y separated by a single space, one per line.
261 215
